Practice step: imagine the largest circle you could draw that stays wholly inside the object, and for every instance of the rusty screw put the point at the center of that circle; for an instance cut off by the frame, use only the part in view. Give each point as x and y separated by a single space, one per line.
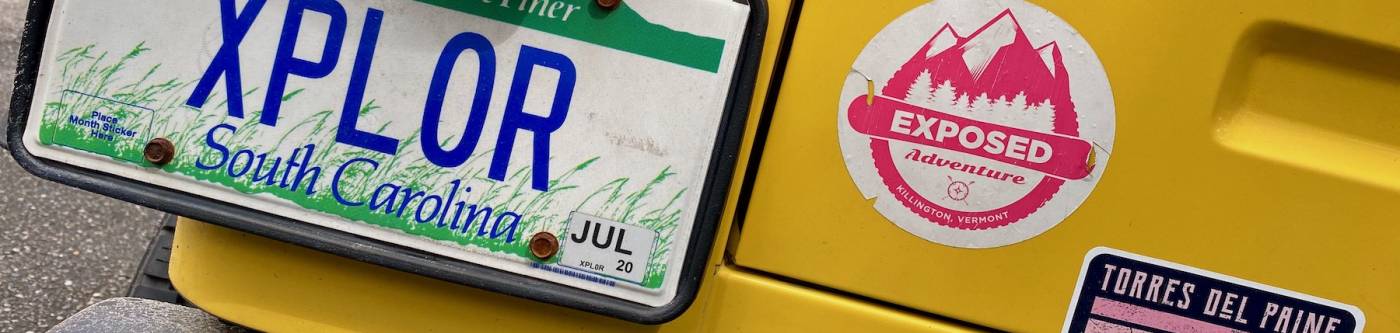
544 245
159 151
608 4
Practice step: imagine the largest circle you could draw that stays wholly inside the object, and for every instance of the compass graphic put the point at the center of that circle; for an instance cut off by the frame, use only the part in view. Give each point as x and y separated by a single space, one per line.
959 190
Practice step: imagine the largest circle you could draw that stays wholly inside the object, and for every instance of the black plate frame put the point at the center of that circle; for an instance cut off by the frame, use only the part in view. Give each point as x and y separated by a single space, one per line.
717 184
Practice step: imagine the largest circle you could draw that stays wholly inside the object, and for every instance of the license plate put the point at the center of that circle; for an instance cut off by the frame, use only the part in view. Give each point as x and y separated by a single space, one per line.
467 129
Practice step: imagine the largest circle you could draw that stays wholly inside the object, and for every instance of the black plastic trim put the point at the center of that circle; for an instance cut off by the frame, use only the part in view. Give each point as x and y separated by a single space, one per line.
709 212
152 278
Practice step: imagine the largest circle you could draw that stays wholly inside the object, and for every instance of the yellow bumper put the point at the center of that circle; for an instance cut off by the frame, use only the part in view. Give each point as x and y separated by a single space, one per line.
274 286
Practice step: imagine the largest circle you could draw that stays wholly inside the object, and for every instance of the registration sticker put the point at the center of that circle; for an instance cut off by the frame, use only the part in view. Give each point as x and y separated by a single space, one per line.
1125 292
457 128
608 248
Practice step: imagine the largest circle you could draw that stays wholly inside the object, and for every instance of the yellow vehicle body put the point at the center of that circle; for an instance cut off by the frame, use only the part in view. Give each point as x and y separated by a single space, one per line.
1258 139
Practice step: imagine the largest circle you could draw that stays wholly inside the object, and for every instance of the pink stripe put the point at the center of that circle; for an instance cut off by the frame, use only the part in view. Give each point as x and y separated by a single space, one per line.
1152 318
1099 326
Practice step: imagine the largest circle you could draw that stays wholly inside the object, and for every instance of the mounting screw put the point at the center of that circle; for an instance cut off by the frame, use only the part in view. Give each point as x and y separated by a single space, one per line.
544 245
159 151
608 4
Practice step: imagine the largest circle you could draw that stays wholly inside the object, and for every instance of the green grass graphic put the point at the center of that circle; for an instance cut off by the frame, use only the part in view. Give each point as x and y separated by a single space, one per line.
93 80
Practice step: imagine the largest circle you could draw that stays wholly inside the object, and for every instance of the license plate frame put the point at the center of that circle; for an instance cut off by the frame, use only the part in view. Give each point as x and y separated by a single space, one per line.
717 180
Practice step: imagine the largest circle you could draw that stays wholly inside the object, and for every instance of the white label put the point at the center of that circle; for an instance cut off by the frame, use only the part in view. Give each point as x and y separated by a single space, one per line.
608 248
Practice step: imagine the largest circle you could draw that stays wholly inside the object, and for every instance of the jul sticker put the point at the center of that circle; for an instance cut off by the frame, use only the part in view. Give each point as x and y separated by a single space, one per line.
1125 292
976 123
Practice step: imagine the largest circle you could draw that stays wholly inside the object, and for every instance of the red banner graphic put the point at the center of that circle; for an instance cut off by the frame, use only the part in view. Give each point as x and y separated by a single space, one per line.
1055 155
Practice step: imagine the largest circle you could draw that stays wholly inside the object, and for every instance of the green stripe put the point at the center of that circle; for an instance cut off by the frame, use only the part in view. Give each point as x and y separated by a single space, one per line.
620 29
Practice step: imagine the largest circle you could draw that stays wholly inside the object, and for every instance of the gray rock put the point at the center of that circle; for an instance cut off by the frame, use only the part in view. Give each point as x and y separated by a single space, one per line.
135 315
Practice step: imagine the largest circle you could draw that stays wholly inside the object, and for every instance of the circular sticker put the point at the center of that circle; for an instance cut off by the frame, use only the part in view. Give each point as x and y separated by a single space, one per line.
976 123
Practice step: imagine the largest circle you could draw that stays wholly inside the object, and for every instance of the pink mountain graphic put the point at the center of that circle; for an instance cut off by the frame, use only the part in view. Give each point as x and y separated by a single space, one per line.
997 60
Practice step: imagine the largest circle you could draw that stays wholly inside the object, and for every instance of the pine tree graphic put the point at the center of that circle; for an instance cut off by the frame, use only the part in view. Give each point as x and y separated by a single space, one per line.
1041 117
945 97
1014 111
921 92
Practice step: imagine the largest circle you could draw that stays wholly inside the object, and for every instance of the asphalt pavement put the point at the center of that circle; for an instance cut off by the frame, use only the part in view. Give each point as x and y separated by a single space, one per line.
61 248
11 22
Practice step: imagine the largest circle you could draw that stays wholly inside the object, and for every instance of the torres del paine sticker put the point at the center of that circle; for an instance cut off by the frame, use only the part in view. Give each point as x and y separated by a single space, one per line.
976 123
1125 292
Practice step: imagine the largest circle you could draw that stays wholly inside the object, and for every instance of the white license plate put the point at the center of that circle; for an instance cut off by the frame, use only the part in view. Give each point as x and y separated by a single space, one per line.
462 128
